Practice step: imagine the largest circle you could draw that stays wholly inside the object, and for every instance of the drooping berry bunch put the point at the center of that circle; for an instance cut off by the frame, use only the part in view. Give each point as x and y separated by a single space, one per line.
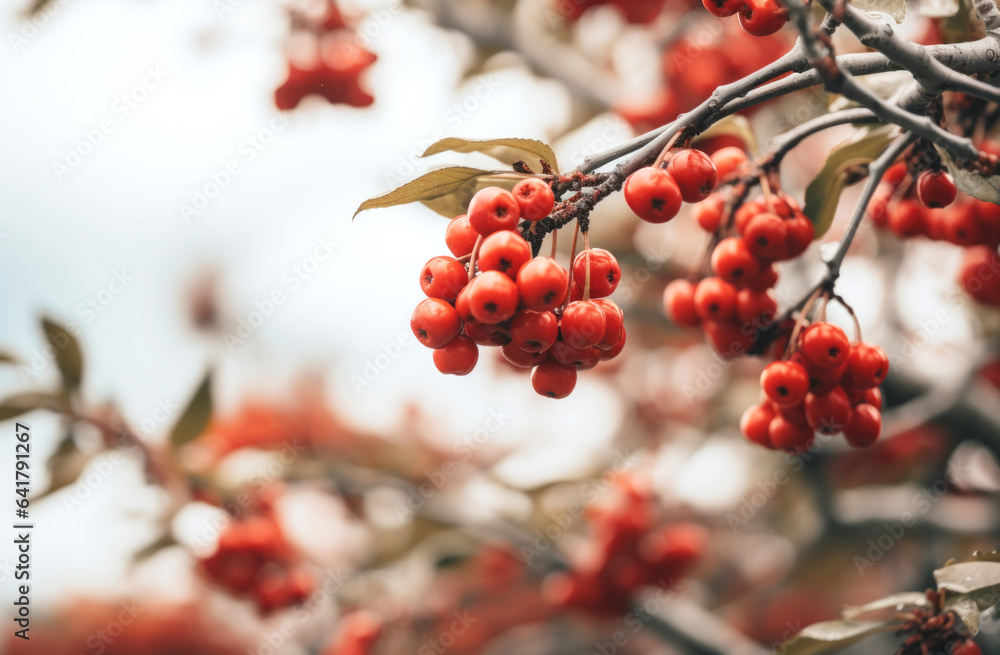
826 385
626 550
757 17
325 59
494 293
936 631
254 560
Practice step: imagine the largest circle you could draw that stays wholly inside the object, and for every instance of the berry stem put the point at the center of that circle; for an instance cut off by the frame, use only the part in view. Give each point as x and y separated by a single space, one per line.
555 242
586 278
474 256
572 256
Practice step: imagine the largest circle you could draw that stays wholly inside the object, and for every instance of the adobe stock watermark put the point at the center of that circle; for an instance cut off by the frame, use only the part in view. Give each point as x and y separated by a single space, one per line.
99 640
417 496
97 303
375 366
34 23
120 110
219 179
561 521
639 617
292 280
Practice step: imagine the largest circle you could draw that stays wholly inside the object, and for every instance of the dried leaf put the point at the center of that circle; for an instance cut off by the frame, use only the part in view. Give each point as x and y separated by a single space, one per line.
23 403
195 418
899 602
69 357
833 636
435 184
978 186
970 588
894 8
505 150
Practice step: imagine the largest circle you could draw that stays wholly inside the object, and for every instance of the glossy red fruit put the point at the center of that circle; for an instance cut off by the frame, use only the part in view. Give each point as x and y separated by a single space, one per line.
553 379
936 188
765 280
755 309
491 336
800 232
695 174
766 235
615 350
723 8
542 284
653 195
564 353
733 262
824 346
708 213
493 297
534 331
493 209
615 322
728 160
727 339
522 358
967 647
867 365
961 226
823 381
763 17
534 197
583 324
874 398
459 357
786 435
785 383
443 277
746 213
715 300
907 219
755 424
460 236
435 322
864 426
605 273
462 305
828 414
504 251
678 303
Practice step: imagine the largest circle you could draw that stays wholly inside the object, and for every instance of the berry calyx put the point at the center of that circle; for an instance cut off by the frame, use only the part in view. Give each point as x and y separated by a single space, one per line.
733 262
444 278
534 197
785 383
715 300
723 8
766 236
493 209
533 331
763 17
653 195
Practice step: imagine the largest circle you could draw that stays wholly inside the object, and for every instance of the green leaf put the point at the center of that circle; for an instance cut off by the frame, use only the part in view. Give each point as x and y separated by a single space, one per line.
195 418
970 588
737 126
69 357
894 8
23 403
457 202
833 636
824 191
435 184
978 186
506 150
898 602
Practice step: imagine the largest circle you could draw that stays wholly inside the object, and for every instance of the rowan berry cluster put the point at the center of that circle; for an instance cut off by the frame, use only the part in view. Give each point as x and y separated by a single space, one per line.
626 550
826 385
254 560
324 59
493 293
757 17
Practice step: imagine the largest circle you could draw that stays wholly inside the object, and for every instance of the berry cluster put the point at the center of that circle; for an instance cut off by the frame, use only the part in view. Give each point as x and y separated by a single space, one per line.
826 385
325 60
501 296
757 17
936 631
254 560
626 550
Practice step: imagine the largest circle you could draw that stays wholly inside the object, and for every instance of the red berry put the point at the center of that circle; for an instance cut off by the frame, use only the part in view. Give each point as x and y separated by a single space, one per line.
936 188
800 232
867 365
746 213
535 198
653 195
715 300
615 350
678 303
874 398
482 334
615 320
723 8
542 284
504 251
907 219
962 226
709 212
766 235
824 346
765 280
460 236
462 304
786 435
967 647
585 358
522 358
493 209
605 273
435 322
727 339
553 379
534 332
443 277
583 324
864 426
755 423
728 160
733 261
821 381
493 297
755 309
828 414
763 17
785 383
694 173
459 357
